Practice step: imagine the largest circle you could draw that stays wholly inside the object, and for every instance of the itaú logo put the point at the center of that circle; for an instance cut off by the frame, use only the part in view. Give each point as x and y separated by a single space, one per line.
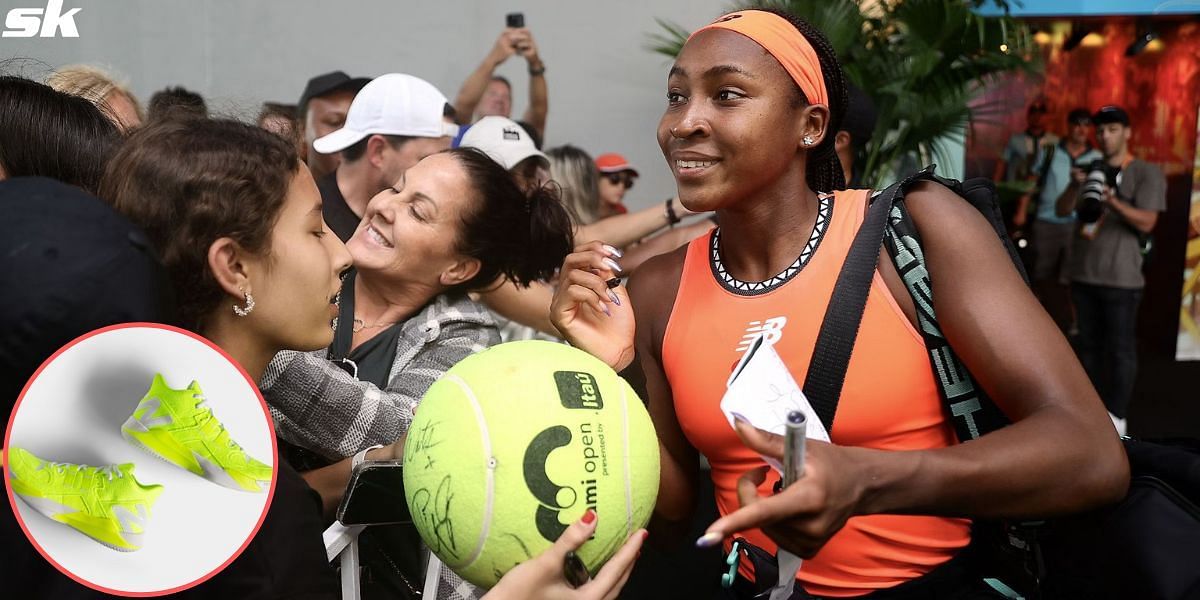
553 498
47 23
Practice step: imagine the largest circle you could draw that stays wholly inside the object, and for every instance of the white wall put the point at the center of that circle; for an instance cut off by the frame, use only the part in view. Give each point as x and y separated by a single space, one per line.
606 90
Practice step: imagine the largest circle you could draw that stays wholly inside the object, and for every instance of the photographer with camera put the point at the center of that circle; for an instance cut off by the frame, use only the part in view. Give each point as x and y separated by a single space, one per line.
1051 232
486 94
1118 201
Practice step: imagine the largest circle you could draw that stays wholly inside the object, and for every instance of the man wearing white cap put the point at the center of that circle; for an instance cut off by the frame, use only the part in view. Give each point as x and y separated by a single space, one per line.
511 146
394 122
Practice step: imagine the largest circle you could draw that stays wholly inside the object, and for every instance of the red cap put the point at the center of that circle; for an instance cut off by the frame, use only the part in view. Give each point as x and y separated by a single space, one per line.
614 163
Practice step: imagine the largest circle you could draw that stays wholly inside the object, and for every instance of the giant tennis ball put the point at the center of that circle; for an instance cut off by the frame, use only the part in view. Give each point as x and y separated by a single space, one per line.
515 443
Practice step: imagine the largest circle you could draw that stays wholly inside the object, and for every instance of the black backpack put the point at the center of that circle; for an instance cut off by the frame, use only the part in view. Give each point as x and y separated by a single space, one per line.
1146 546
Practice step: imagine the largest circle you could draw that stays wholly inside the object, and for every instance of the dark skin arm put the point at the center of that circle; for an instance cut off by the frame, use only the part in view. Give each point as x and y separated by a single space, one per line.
652 290
1060 455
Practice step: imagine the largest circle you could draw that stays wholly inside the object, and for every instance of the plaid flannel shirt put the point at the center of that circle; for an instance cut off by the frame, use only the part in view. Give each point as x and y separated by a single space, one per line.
319 406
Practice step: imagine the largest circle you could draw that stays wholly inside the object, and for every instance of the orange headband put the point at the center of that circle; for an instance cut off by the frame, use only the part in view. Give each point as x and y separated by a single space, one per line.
781 39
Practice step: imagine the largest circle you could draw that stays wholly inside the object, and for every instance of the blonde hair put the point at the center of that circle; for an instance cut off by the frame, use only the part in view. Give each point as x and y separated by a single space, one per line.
93 84
575 172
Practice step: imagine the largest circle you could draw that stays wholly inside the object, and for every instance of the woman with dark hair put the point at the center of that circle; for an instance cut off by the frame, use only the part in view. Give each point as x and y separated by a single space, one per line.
48 133
753 101
236 219
454 223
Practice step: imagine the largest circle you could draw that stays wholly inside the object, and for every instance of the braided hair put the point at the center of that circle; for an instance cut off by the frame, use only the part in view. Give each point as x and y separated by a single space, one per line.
824 170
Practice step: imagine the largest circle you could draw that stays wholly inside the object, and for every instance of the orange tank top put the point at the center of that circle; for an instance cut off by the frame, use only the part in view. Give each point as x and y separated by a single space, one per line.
889 400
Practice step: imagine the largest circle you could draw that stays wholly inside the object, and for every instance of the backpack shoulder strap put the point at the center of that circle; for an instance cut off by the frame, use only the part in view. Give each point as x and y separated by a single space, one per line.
968 406
843 315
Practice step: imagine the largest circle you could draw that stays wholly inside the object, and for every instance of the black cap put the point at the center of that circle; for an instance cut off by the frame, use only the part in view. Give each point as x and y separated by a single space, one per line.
328 83
1111 114
69 264
1080 116
860 117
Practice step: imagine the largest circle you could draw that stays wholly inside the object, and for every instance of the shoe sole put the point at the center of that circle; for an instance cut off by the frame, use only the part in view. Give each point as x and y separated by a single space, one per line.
36 503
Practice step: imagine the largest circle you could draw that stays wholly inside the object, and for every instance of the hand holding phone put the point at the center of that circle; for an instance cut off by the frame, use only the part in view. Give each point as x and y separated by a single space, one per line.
514 20
375 495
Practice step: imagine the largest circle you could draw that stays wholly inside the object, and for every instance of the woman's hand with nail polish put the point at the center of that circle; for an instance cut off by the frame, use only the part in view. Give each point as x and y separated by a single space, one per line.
589 313
542 578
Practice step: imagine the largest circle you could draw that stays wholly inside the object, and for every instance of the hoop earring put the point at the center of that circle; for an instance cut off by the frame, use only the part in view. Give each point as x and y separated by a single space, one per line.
240 311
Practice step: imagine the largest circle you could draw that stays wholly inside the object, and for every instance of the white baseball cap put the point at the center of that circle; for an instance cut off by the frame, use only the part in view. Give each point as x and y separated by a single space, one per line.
392 104
503 140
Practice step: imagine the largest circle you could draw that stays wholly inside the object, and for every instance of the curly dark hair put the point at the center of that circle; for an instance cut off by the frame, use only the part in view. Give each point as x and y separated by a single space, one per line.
824 169
188 183
523 236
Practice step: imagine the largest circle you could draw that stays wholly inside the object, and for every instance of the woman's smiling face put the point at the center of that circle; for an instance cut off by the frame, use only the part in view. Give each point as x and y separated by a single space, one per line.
410 231
731 127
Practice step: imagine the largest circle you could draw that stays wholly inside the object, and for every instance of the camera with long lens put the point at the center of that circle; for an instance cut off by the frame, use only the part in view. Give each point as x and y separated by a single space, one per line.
1091 196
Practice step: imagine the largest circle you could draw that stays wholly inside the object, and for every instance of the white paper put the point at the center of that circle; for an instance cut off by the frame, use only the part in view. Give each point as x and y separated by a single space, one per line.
761 391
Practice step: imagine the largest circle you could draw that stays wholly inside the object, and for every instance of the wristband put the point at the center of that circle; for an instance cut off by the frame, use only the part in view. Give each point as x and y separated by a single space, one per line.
672 218
540 70
361 457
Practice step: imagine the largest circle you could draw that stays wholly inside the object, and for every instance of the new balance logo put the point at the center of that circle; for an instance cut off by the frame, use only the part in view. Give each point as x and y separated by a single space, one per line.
47 23
128 520
145 414
771 329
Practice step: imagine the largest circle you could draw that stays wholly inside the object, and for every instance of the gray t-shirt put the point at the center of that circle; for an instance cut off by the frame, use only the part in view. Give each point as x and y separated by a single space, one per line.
1113 257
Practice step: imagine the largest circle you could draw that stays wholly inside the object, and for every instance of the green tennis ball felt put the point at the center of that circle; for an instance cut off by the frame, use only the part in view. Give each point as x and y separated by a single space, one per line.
515 443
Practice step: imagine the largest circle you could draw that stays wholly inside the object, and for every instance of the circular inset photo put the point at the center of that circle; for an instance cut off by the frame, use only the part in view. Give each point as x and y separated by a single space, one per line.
140 460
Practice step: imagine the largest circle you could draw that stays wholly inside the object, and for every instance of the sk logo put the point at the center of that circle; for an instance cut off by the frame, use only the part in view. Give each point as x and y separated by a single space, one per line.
30 22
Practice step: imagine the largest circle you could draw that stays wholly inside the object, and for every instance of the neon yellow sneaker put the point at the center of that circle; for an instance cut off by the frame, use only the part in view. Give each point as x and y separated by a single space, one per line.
106 504
178 427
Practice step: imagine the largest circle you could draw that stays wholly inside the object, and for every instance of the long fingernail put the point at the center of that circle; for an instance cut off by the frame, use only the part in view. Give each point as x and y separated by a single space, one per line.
709 539
588 517
613 296
612 251
604 309
612 264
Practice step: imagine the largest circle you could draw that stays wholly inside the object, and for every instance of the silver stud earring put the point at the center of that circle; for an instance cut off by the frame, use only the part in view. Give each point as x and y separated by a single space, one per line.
808 140
673 132
240 311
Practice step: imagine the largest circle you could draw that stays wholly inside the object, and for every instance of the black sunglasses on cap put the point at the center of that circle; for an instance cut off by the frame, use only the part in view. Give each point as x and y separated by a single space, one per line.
621 178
